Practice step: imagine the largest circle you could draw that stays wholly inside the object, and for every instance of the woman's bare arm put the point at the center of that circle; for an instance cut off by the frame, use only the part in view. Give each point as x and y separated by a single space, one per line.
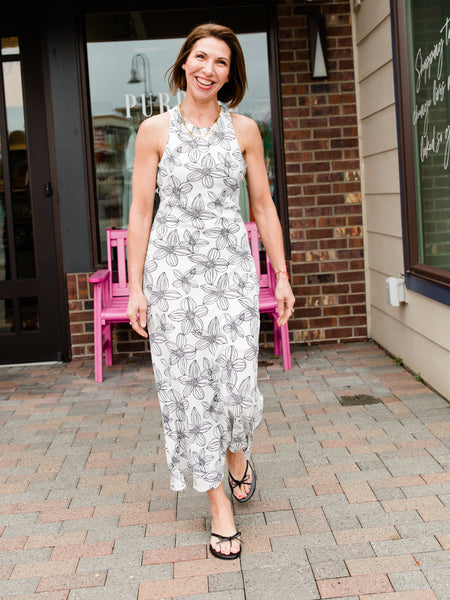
264 210
150 142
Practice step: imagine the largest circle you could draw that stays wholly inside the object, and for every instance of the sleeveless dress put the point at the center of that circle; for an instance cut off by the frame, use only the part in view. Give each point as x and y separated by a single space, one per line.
202 292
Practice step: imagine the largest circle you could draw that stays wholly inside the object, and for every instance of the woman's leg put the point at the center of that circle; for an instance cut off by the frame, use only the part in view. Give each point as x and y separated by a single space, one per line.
236 465
222 520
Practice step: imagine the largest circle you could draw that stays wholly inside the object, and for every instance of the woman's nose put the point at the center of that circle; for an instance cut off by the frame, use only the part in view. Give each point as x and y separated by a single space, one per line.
208 67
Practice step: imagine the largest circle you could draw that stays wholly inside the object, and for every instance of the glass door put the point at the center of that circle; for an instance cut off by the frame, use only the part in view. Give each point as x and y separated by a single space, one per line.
30 310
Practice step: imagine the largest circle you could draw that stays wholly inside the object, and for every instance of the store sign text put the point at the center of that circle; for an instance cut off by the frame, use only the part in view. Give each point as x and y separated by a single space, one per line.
146 102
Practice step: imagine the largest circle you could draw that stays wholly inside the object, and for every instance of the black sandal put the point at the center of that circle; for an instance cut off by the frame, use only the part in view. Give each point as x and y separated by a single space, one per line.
234 483
224 538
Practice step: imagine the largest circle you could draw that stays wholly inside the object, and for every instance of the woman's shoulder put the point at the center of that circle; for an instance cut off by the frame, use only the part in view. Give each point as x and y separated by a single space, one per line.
246 128
243 121
153 131
155 123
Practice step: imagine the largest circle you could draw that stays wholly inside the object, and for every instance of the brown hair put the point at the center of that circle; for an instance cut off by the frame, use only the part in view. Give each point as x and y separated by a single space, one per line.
233 90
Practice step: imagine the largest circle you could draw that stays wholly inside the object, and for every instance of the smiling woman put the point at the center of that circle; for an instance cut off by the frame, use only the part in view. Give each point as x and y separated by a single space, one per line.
128 54
198 155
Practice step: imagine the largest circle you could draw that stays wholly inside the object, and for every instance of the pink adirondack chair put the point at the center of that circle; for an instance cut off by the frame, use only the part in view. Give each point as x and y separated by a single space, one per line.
267 301
110 299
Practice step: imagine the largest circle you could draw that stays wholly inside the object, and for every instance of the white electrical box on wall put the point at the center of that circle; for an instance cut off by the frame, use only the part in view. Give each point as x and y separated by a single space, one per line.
395 290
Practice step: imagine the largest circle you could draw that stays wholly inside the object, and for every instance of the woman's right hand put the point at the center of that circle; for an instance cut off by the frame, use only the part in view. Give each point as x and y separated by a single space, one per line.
137 312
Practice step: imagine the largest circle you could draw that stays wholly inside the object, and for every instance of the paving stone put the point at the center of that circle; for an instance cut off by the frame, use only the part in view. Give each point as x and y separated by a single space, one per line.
386 564
329 569
124 591
344 552
117 576
405 546
110 562
339 521
439 580
102 533
359 584
287 582
25 556
408 581
279 516
14 587
192 539
223 582
433 560
440 490
393 518
231 595
389 494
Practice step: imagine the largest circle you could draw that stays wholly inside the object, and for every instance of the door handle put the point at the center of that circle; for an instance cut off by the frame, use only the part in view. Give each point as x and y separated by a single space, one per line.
48 190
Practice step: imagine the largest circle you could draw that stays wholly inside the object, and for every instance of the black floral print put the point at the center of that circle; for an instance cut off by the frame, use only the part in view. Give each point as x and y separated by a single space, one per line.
202 294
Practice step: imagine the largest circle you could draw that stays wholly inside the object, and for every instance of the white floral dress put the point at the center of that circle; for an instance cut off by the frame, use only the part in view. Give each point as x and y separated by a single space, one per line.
202 293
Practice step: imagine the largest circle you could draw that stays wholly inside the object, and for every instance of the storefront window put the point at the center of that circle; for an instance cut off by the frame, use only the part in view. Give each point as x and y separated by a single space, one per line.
429 63
422 43
128 56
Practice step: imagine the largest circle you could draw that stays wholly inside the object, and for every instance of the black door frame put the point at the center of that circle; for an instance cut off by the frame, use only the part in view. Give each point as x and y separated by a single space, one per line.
52 340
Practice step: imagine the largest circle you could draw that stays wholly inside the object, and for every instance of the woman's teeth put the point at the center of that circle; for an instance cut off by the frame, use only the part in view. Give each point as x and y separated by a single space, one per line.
204 82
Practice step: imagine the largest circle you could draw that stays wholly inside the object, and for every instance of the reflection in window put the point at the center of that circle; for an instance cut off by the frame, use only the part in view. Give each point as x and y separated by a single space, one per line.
4 256
6 315
127 84
10 45
29 313
22 226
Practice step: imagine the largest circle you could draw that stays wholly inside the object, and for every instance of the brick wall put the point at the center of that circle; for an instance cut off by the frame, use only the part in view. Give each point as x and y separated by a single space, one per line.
322 166
324 195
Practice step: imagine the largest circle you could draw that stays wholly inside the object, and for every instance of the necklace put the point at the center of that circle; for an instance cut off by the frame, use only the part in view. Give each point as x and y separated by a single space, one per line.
195 134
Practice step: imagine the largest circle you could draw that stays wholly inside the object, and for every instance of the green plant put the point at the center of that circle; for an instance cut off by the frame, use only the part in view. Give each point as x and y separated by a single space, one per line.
399 361
418 377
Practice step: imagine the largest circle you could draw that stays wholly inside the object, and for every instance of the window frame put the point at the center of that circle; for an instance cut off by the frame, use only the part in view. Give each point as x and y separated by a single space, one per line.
427 280
87 7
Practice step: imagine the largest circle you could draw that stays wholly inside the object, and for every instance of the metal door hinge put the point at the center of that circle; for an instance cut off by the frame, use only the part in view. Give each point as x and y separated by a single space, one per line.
48 190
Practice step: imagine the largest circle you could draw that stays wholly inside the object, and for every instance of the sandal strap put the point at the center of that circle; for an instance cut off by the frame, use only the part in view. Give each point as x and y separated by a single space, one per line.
235 482
224 538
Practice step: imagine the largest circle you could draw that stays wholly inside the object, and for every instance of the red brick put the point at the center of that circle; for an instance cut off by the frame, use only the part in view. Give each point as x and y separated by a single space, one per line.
169 588
79 550
354 586
157 516
172 555
66 514
44 569
56 539
382 564
206 566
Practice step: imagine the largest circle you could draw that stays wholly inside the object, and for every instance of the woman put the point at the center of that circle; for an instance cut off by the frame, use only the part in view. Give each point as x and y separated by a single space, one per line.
195 277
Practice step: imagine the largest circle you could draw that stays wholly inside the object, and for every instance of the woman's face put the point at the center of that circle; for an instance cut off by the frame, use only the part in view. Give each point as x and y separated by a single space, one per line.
207 67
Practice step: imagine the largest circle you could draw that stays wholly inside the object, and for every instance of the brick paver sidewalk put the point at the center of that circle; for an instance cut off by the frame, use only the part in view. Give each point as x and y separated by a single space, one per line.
353 496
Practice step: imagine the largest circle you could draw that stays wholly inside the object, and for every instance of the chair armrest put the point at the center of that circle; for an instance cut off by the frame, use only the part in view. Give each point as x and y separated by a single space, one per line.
99 276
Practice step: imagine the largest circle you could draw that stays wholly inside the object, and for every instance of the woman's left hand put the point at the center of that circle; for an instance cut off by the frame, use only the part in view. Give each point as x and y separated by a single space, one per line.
285 299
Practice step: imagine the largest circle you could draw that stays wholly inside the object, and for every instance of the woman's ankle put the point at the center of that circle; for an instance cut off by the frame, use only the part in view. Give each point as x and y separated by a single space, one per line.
218 501
235 458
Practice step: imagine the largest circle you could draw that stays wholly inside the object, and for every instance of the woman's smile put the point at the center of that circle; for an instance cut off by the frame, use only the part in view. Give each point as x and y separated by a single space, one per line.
204 82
